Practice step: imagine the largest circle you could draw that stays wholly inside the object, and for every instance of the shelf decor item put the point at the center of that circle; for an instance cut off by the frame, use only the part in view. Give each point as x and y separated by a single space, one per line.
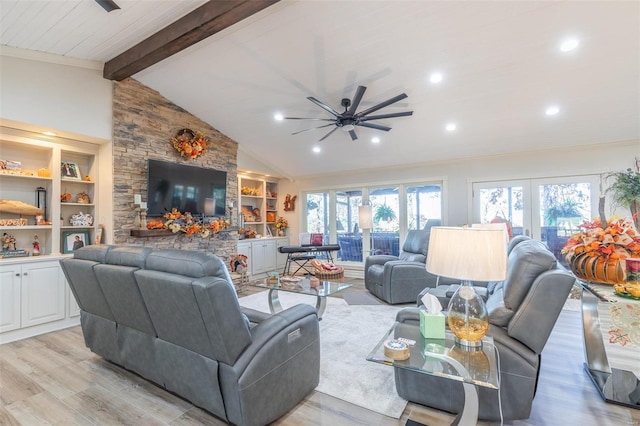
596 252
281 226
468 254
70 170
186 223
190 144
73 240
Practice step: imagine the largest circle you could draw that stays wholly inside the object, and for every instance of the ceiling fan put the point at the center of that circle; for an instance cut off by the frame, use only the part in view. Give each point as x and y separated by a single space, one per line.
350 118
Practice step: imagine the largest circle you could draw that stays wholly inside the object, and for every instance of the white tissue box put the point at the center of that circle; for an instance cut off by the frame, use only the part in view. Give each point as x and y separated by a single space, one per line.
432 326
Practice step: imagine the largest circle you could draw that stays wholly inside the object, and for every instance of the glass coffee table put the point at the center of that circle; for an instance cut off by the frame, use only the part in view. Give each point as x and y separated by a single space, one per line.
441 357
302 286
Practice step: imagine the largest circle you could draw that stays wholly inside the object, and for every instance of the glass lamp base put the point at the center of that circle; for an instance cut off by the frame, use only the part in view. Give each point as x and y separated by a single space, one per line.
468 344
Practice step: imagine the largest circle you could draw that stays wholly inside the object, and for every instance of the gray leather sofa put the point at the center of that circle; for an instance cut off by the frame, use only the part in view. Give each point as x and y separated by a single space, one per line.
172 316
399 279
522 312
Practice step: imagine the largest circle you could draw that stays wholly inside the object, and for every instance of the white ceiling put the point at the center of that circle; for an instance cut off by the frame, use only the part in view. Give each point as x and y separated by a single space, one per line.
501 63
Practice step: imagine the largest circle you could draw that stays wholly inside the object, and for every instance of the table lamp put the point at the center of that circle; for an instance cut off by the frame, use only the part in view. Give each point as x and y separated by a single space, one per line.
365 216
468 254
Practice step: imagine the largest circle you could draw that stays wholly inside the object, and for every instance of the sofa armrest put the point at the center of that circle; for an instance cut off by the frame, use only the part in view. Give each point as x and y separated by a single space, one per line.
379 259
255 317
404 270
271 338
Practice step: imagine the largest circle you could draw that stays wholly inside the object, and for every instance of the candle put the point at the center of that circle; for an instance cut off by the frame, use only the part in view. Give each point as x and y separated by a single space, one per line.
137 199
143 204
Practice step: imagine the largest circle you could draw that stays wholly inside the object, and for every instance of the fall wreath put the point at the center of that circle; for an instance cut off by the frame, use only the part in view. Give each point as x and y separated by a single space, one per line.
190 144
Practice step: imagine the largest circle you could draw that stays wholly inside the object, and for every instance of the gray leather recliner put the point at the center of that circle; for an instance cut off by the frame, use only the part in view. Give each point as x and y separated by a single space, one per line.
399 279
523 310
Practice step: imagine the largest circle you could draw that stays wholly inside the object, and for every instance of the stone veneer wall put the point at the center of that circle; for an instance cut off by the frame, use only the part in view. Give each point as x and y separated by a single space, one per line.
143 124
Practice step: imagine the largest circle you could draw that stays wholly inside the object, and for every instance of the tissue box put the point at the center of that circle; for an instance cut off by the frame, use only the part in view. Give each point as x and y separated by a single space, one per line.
432 325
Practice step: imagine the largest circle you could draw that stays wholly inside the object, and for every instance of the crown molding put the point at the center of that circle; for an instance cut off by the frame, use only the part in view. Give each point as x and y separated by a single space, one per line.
34 55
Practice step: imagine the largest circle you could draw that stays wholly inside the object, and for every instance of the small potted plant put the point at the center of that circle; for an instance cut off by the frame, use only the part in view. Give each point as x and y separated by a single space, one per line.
625 191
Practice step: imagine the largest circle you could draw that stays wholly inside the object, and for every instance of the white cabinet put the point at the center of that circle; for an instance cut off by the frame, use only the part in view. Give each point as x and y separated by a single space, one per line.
42 291
262 255
10 277
34 299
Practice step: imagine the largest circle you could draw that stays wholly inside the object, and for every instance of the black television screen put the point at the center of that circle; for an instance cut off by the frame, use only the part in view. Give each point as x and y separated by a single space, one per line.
187 188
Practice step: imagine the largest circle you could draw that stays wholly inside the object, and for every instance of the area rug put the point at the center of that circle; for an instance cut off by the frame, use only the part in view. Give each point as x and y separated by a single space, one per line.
360 298
347 334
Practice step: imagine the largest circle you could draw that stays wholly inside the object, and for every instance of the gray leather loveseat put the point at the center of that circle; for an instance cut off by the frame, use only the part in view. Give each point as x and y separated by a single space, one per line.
173 317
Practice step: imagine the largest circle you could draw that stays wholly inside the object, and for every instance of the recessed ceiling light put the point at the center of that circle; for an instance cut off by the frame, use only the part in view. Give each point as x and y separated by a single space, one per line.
49 133
375 139
436 77
450 127
569 44
278 117
552 110
316 149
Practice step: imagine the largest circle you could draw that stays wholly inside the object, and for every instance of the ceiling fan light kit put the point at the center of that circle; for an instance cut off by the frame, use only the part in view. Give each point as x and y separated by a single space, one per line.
349 119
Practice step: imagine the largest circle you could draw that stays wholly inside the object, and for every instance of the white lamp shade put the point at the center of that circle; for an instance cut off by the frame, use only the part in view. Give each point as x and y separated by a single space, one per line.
365 217
470 254
495 225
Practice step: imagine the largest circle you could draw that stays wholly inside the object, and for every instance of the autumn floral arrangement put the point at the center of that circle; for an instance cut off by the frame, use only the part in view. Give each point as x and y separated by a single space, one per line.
281 223
595 252
176 221
190 144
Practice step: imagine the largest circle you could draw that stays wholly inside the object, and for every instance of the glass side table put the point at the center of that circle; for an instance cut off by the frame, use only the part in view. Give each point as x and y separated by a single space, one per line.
303 286
443 358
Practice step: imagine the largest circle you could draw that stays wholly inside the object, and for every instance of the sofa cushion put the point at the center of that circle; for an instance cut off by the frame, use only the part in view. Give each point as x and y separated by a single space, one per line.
134 256
527 260
417 242
95 253
188 263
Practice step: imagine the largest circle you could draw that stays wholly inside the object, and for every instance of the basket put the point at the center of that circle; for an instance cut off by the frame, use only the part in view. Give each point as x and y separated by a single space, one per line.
329 275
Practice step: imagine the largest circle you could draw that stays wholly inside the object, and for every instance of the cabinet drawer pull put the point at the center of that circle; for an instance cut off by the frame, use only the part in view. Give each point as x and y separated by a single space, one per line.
26 273
18 274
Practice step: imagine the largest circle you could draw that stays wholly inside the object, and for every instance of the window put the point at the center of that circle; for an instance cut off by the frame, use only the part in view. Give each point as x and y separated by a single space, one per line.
423 203
395 209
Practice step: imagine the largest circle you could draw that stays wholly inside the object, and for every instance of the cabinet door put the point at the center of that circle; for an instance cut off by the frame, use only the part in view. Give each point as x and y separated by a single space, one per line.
73 310
244 247
43 290
264 256
10 276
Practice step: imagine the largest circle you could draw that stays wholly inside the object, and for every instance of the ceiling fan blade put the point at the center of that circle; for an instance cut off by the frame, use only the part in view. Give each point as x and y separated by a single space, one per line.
328 134
316 119
383 104
313 128
356 99
108 5
375 126
353 135
324 106
390 115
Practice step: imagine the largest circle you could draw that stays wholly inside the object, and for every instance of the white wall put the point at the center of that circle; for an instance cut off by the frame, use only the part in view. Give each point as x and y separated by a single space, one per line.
458 175
70 97
56 96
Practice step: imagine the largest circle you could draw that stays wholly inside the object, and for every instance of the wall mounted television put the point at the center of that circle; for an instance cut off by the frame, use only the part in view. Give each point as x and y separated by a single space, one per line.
187 188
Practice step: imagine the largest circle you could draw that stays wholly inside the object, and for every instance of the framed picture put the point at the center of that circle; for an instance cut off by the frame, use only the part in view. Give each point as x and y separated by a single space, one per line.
98 238
69 170
269 233
73 240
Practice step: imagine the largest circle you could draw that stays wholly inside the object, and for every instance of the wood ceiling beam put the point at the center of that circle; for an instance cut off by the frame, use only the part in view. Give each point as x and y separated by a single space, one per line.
208 19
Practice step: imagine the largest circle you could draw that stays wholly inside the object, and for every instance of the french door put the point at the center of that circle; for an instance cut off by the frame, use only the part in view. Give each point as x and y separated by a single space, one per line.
546 209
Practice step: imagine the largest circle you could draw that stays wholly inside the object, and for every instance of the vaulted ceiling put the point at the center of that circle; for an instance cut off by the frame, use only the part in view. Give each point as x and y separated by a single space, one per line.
501 67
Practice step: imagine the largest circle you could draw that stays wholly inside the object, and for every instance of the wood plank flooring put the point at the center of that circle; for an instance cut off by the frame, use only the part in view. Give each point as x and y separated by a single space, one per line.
54 379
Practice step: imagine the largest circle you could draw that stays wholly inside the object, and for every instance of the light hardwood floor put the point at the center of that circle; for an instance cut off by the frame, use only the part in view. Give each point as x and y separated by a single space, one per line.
55 379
